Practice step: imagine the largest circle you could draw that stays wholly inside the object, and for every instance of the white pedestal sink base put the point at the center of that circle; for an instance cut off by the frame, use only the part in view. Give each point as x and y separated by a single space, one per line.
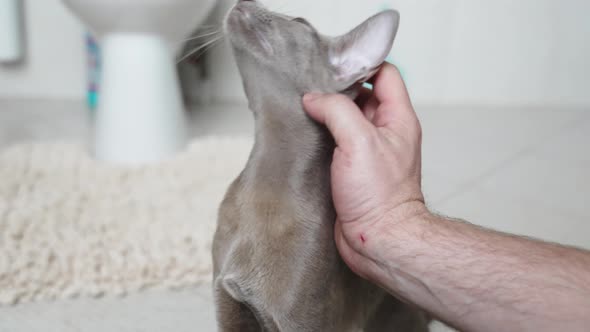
140 117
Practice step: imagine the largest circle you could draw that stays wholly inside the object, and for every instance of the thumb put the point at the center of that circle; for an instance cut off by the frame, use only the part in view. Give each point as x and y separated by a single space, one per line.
341 115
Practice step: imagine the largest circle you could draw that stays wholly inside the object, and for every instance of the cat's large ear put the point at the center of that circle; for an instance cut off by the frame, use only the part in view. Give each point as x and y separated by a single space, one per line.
357 55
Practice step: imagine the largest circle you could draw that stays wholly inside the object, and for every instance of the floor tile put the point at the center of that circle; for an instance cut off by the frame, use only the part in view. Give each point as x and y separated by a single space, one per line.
153 311
560 185
28 120
440 327
463 144
498 210
437 187
571 145
205 292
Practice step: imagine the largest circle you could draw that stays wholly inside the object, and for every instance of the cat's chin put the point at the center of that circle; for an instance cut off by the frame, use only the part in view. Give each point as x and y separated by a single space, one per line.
232 22
240 18
244 32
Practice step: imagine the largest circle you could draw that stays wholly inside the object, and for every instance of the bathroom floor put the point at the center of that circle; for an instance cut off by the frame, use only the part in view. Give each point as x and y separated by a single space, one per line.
518 170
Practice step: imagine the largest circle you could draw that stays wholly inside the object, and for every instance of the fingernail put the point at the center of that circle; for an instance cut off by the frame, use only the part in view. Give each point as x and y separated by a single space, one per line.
311 97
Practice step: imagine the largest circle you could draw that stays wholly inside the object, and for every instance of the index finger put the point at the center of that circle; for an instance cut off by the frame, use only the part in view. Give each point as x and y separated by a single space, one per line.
389 86
395 105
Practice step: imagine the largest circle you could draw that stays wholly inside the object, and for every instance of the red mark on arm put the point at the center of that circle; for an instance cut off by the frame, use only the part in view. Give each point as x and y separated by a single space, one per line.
363 238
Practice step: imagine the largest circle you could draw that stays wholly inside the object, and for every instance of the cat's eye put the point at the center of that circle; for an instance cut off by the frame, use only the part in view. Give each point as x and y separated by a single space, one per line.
301 20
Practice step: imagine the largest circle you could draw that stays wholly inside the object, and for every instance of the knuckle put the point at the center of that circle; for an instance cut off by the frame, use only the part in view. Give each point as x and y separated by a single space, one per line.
393 68
365 140
339 100
418 132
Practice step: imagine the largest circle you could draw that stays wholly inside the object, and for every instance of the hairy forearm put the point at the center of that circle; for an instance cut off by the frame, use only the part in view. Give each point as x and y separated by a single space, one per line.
480 280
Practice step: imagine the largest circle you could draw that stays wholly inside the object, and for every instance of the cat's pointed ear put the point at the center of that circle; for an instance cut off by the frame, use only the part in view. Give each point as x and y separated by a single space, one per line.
357 55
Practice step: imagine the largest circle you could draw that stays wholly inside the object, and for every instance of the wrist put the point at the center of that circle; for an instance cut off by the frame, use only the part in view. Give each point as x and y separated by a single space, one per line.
406 214
397 237
403 226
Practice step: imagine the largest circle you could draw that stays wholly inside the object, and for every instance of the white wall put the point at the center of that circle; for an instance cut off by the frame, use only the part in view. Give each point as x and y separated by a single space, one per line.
517 52
55 64
450 51
524 51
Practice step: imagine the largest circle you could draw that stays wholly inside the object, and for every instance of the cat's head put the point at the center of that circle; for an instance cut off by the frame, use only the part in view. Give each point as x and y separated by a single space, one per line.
291 49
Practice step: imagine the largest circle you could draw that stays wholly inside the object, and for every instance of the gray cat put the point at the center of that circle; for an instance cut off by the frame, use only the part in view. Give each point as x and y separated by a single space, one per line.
276 266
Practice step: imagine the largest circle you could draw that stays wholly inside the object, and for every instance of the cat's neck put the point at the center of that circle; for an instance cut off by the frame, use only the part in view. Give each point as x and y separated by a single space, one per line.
291 151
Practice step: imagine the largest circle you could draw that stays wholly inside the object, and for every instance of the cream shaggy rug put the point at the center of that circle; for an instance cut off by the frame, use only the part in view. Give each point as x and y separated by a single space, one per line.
70 226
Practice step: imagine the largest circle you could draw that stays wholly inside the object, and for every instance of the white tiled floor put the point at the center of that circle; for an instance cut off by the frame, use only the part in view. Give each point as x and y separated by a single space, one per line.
518 170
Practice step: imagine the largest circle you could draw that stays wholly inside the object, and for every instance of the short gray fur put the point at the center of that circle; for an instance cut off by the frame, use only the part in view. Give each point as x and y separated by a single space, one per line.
276 266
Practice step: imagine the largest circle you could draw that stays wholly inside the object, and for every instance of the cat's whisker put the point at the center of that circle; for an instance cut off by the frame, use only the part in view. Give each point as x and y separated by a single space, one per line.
208 48
207 31
201 48
217 25
209 26
208 34
204 31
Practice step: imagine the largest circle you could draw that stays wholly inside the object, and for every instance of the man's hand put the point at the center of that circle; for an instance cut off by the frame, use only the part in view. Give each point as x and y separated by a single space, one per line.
472 278
377 163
